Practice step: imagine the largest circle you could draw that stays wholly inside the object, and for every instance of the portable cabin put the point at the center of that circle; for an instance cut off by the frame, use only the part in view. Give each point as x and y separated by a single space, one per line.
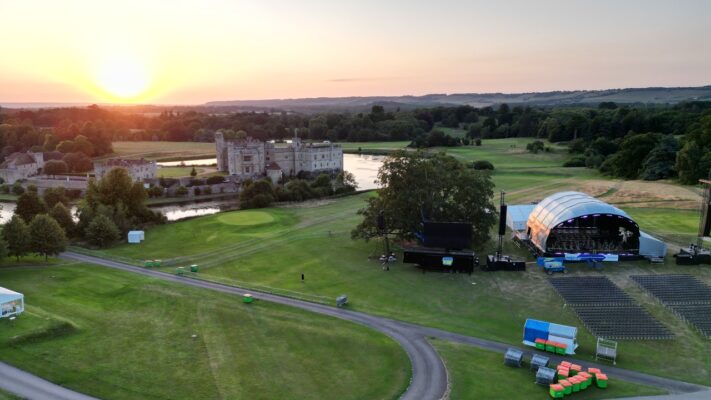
11 303
136 236
534 329
513 358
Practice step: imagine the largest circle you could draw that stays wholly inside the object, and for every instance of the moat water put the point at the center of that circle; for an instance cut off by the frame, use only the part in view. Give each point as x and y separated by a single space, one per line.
363 167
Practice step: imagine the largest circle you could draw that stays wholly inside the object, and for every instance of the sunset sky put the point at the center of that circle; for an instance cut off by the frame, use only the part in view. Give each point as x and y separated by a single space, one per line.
190 52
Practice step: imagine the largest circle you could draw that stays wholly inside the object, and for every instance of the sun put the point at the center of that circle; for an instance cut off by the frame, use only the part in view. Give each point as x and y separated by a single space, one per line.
123 78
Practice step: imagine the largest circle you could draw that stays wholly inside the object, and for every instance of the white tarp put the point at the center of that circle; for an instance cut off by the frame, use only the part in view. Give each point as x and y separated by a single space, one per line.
517 216
11 303
649 246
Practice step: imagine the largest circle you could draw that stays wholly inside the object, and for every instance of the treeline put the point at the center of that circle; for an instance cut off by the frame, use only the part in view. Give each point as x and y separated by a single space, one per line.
262 193
675 134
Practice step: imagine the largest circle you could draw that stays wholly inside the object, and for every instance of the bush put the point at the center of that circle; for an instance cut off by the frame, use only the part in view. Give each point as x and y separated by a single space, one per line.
483 165
215 180
535 147
17 188
207 190
181 191
477 142
577 161
197 191
5 189
155 191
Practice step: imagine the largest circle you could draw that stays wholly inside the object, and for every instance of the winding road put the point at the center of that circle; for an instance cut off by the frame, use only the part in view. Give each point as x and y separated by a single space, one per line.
429 376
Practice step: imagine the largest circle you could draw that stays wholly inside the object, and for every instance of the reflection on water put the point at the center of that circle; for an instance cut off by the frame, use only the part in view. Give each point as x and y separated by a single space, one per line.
181 211
363 167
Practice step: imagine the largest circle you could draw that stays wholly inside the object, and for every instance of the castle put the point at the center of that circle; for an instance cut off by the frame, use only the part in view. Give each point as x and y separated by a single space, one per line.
251 158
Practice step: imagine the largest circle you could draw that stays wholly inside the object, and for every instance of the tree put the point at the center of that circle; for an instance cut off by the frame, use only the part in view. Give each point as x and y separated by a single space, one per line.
660 161
78 162
17 236
437 186
66 146
193 172
55 167
83 145
102 231
322 185
345 182
30 204
4 251
47 238
63 216
17 188
257 194
535 147
55 195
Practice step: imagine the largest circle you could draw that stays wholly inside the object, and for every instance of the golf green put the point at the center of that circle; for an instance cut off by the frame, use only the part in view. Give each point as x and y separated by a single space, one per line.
246 218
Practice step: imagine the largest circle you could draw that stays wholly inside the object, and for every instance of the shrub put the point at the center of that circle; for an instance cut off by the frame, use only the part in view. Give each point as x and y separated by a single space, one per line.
214 180
483 165
181 191
17 188
197 191
477 142
207 190
577 161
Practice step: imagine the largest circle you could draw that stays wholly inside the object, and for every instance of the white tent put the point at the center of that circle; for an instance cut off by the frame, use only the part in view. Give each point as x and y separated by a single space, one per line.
517 216
136 236
11 303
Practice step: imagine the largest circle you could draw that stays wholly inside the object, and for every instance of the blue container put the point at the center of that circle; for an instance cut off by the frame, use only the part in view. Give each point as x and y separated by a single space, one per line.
534 329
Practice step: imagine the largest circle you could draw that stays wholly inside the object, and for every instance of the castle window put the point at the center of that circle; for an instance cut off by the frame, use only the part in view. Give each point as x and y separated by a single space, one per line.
247 158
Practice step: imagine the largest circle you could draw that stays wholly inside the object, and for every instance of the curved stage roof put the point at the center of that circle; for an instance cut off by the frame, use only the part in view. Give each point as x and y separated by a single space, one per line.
561 207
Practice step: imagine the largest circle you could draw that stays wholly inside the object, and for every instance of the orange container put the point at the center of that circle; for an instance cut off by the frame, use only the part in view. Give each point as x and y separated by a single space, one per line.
575 368
565 364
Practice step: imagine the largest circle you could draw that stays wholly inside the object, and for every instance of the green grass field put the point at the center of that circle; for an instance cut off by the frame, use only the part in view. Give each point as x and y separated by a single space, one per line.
117 335
271 252
314 239
164 151
178 172
481 374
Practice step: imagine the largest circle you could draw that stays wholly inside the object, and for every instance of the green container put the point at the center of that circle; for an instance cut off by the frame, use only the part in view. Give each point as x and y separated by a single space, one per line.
576 387
247 298
194 268
560 350
541 346
584 384
561 376
568 389
180 271
148 264
550 348
602 384
156 263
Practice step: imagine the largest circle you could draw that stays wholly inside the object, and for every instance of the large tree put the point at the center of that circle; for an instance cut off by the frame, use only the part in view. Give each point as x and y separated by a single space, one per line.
63 216
30 204
17 235
417 184
102 231
47 238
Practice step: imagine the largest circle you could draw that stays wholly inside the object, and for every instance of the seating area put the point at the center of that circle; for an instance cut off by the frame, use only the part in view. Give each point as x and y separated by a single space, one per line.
685 295
607 311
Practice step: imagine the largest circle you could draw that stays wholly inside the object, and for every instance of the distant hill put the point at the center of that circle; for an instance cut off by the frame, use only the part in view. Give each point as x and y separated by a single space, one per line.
651 95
